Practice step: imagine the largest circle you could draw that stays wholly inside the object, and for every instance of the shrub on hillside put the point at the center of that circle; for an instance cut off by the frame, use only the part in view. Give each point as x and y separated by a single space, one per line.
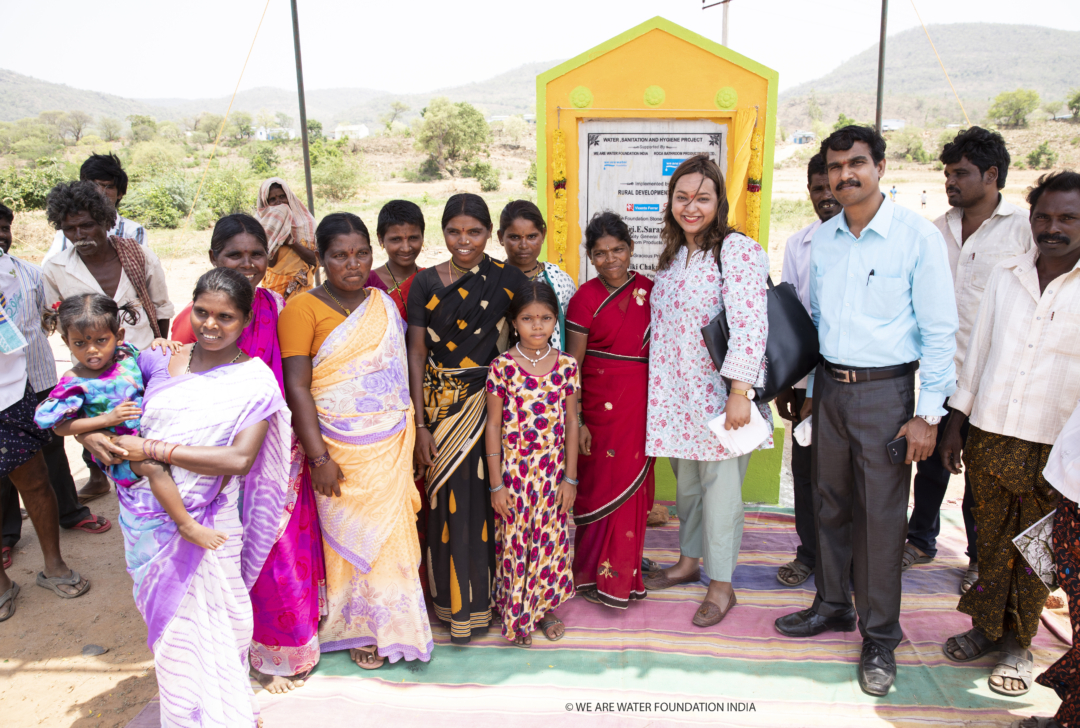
487 175
530 179
452 134
264 160
27 189
339 178
907 145
227 191
161 198
1042 157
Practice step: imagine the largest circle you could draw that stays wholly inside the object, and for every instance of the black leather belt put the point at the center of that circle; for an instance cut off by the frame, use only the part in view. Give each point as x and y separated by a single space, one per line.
871 374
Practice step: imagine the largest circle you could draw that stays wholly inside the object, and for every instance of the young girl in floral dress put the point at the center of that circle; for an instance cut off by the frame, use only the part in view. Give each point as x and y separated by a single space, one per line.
532 448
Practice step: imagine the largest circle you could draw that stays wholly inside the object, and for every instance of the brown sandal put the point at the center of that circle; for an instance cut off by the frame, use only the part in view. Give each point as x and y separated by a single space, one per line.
710 613
662 581
798 571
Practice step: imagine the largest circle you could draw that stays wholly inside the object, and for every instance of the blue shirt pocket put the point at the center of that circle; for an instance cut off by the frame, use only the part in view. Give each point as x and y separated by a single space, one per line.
886 297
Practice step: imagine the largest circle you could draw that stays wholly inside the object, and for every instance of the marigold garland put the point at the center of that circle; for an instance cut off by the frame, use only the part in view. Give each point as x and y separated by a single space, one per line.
557 254
753 187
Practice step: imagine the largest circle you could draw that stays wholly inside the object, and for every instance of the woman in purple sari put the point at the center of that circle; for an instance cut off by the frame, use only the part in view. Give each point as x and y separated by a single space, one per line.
217 417
290 595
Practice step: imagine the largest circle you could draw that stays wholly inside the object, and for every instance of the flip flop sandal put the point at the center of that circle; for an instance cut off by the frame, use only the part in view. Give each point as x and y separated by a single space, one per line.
84 524
973 643
523 645
799 570
6 558
551 622
912 556
660 581
55 582
1015 667
710 613
9 596
374 651
970 577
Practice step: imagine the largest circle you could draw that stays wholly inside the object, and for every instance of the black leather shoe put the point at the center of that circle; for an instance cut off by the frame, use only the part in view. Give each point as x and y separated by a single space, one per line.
808 623
877 669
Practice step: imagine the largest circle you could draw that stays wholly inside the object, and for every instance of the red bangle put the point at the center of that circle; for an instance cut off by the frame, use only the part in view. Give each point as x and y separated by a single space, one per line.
169 455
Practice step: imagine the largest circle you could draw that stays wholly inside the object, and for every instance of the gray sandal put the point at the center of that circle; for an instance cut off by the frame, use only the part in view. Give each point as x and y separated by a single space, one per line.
55 582
913 555
1015 668
9 596
973 643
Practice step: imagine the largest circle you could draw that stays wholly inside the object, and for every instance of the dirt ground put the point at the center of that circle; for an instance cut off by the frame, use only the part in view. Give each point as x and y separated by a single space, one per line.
45 679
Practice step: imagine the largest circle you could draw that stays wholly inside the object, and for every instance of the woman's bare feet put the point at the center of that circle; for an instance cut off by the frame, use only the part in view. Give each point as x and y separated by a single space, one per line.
367 658
277 684
200 535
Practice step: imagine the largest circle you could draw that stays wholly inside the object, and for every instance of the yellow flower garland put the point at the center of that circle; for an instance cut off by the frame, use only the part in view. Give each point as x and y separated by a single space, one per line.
559 226
753 187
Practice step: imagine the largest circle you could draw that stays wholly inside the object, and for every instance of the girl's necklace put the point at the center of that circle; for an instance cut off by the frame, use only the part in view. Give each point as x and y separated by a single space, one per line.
191 358
397 287
348 312
537 360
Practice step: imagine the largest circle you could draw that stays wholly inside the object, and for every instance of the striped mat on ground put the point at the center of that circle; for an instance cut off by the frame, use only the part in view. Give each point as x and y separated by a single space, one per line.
649 666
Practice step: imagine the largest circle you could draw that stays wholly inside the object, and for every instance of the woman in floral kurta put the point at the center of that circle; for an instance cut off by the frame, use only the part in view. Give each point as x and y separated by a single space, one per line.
532 551
685 389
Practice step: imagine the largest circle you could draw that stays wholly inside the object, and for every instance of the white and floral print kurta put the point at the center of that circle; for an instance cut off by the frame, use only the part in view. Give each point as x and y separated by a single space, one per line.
685 390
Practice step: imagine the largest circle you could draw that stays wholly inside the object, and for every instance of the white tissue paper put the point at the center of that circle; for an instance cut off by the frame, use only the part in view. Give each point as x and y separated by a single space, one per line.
746 438
804 431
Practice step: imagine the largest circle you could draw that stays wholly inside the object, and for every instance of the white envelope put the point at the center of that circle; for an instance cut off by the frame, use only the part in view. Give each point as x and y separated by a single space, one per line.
746 438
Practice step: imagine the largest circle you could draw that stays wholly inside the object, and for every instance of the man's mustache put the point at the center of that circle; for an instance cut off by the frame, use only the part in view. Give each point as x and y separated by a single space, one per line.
1047 238
850 183
952 190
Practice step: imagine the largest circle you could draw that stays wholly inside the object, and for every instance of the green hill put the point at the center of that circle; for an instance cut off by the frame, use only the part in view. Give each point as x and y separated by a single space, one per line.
513 92
23 96
983 59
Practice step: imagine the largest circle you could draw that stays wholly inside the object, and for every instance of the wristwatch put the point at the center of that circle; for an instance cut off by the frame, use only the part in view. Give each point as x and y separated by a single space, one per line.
931 419
748 393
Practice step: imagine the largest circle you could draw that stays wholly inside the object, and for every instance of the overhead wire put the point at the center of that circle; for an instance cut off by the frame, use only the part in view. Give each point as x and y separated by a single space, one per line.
224 121
941 63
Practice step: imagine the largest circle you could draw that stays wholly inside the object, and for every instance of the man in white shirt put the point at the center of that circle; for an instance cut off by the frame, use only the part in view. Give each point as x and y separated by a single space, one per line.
788 404
981 229
105 171
1019 384
24 302
97 263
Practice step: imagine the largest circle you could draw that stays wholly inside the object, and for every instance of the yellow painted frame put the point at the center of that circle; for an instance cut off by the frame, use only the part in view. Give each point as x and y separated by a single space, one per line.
644 51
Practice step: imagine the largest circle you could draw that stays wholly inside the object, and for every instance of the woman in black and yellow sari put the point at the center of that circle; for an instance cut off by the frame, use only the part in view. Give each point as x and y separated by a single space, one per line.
457 325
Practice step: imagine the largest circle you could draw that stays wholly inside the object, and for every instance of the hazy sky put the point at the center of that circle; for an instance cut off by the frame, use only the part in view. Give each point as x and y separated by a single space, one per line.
194 49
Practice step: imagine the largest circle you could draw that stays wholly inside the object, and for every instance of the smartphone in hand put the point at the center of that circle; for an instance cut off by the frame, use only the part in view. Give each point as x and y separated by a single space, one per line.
897 450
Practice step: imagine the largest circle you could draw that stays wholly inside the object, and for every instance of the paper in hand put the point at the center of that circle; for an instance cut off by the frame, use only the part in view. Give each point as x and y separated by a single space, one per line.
746 438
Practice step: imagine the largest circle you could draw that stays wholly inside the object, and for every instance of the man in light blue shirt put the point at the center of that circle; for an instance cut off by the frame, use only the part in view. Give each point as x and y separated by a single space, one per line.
881 295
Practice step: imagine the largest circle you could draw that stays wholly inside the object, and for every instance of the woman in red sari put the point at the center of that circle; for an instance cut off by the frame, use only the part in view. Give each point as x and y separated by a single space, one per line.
401 234
607 326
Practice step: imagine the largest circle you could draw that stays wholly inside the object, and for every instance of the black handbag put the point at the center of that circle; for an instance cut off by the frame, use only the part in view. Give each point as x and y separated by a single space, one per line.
791 351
